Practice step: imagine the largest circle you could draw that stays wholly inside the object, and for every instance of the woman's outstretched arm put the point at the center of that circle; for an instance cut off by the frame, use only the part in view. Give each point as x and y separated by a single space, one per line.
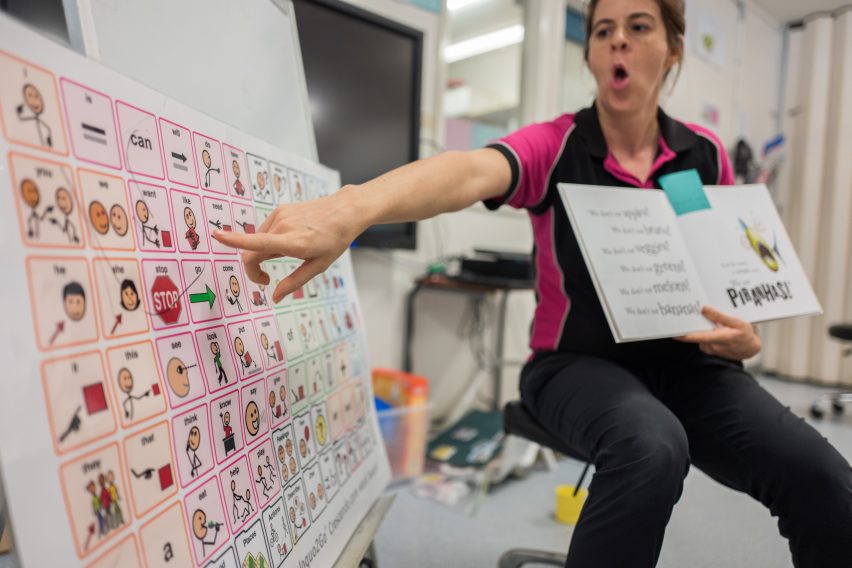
319 231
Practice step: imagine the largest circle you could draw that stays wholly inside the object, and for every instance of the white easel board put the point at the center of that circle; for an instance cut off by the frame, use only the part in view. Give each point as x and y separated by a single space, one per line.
157 409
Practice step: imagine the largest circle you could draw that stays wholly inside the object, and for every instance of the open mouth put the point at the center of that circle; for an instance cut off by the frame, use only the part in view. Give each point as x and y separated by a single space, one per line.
620 76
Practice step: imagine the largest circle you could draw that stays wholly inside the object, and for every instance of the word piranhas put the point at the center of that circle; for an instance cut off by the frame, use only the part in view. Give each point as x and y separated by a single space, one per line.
757 295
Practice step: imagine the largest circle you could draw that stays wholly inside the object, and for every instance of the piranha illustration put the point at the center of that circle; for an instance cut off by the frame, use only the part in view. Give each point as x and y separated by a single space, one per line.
769 256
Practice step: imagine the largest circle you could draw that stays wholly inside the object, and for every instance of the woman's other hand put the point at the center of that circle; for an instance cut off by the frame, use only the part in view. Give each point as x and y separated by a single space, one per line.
733 338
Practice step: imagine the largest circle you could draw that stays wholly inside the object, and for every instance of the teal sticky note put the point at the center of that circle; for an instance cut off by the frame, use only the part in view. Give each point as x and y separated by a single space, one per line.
430 5
685 192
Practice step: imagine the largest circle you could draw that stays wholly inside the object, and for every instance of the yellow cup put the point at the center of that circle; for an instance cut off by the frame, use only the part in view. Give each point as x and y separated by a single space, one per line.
568 505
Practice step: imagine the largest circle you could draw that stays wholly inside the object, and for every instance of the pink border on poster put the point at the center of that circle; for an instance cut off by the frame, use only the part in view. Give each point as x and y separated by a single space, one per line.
186 295
248 197
221 161
210 402
223 471
181 288
260 366
198 364
68 119
209 441
159 139
228 208
222 324
165 161
227 524
262 410
203 217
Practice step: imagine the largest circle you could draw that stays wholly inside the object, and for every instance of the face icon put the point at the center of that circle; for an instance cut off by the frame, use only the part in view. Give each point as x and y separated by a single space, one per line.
252 418
214 348
261 181
271 399
29 193
276 183
264 341
33 99
282 392
320 491
234 285
118 219
129 296
125 380
293 465
320 428
226 419
312 501
239 347
74 301
64 201
292 515
236 168
189 217
178 376
194 438
281 455
98 217
303 448
142 212
199 524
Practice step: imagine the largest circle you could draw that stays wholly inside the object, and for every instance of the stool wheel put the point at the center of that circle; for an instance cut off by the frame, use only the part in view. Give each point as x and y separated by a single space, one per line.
816 411
837 407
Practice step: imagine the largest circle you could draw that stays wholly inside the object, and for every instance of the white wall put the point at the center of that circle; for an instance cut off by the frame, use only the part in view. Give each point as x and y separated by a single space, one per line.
746 88
479 74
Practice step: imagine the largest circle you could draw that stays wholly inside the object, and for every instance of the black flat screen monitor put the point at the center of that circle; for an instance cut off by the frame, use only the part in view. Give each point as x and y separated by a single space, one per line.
363 78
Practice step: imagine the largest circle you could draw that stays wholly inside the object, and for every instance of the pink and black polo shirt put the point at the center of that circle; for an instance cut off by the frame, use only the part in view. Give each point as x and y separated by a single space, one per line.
572 149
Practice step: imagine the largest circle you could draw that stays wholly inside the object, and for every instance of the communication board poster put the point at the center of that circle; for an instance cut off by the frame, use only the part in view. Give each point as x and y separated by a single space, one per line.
157 408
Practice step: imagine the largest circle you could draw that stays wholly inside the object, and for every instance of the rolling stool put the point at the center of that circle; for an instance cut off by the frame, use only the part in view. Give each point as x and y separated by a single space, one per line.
518 422
836 400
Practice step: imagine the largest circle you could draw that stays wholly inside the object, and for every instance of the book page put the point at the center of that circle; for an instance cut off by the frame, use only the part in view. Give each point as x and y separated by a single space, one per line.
158 408
638 260
747 263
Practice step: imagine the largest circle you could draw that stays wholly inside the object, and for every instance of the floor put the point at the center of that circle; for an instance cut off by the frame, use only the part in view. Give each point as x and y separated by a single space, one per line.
711 526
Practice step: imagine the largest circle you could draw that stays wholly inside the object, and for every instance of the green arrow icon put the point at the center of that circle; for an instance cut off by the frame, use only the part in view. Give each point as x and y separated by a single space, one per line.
207 296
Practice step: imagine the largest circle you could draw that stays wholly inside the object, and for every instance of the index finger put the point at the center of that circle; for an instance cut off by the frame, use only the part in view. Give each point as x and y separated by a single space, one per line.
258 242
298 278
716 316
718 335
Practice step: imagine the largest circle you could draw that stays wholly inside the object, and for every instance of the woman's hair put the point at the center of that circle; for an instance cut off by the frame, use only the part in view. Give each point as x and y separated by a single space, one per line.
674 18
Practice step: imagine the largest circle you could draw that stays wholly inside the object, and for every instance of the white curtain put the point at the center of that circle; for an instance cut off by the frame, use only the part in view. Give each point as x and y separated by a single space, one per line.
816 197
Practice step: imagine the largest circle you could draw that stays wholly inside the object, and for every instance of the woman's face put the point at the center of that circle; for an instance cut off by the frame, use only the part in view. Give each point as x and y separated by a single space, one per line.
629 54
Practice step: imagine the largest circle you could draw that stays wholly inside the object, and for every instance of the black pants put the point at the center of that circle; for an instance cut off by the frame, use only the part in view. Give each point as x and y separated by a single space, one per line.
642 427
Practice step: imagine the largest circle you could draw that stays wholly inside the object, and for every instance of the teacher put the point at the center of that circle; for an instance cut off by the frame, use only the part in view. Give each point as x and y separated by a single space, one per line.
642 412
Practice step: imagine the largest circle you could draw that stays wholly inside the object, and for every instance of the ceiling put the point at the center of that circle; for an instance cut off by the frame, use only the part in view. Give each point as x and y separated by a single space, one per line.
792 10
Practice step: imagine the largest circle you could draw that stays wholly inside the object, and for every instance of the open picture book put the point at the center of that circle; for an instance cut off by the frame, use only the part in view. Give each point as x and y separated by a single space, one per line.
657 257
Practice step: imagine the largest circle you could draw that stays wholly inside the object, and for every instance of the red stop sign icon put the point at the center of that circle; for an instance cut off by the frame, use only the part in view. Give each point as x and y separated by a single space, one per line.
166 299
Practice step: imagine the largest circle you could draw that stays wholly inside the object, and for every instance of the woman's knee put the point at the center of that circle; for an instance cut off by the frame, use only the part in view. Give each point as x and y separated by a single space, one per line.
655 455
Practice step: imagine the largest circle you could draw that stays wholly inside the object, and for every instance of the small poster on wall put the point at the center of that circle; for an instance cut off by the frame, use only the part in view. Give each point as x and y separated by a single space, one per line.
709 39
